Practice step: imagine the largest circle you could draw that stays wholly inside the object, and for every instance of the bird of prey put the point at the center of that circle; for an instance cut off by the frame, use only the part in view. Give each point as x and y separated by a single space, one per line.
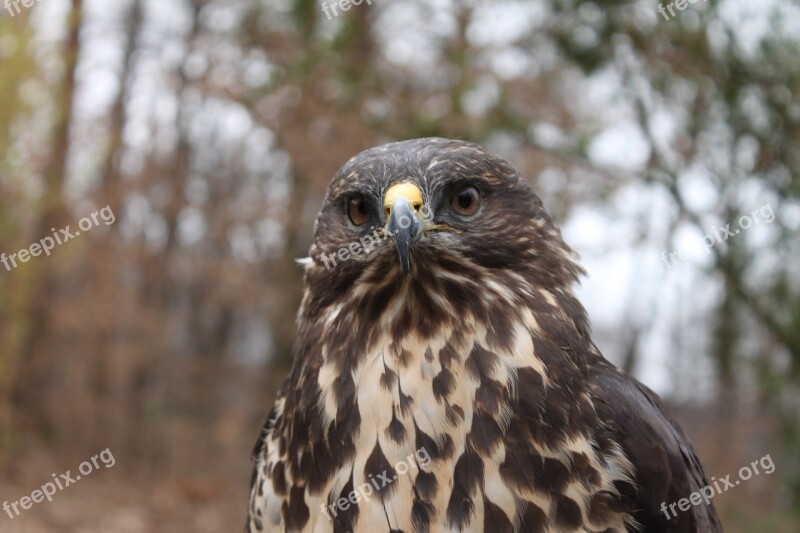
444 374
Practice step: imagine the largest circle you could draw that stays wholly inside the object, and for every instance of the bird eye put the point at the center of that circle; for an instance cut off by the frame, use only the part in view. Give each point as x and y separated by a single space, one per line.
357 211
466 201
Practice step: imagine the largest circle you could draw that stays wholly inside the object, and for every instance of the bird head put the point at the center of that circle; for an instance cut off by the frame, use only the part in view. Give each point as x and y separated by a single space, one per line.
418 211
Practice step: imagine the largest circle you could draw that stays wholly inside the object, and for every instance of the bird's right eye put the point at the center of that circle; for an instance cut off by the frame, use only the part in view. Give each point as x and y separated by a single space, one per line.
357 211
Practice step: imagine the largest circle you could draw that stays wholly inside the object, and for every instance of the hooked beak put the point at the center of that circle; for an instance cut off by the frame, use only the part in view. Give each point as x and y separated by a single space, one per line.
402 204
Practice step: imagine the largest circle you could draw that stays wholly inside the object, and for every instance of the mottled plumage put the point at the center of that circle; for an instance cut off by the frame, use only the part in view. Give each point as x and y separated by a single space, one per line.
480 355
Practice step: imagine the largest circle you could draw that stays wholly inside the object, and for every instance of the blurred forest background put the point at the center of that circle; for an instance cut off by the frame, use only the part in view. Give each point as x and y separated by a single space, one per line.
211 128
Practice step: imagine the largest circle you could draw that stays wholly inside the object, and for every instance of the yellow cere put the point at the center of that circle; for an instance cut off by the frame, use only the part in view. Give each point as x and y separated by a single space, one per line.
406 190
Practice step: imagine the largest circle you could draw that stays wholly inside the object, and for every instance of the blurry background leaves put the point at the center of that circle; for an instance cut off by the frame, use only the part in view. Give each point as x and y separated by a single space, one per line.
211 128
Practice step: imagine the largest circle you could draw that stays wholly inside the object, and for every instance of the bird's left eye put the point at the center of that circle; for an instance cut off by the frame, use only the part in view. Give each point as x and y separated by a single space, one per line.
357 211
466 201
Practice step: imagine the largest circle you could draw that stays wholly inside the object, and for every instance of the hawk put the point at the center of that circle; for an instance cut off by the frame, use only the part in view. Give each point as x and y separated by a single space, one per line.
444 374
